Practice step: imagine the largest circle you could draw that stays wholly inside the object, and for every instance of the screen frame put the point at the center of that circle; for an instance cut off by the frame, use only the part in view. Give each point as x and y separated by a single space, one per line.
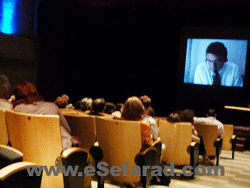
194 32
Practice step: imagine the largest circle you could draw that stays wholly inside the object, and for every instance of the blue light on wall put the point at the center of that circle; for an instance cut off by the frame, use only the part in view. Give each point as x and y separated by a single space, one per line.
7 16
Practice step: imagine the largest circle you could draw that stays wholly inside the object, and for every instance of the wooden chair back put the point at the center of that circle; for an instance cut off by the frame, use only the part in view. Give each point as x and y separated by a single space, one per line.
229 131
3 129
120 142
177 137
38 137
82 126
209 134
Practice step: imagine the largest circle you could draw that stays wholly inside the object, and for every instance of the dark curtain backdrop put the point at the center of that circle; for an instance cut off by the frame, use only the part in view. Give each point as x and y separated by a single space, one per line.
119 51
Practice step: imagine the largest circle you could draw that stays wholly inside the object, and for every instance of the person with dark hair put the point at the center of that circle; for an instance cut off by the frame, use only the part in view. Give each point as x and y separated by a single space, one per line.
210 119
188 116
217 70
98 106
28 100
109 107
148 115
173 118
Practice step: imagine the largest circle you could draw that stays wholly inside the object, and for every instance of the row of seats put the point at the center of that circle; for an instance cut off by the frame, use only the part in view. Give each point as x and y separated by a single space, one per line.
38 138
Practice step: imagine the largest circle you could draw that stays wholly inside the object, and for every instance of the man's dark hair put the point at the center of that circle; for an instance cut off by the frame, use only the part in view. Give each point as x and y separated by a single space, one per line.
109 107
211 112
218 49
187 116
98 105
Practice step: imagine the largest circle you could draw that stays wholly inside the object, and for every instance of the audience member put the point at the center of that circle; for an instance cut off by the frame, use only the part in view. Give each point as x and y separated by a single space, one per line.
109 107
146 102
78 105
98 106
119 107
5 105
148 116
133 110
211 120
86 104
173 117
62 101
188 116
28 100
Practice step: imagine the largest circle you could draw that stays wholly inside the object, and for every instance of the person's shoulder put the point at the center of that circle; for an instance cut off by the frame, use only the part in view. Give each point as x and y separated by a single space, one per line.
231 65
201 66
49 104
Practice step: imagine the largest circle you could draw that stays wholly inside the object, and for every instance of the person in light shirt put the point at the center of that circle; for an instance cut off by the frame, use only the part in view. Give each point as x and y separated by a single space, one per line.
211 120
217 70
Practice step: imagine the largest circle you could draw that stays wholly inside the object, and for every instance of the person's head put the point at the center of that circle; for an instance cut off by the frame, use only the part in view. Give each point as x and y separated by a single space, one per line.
149 112
119 107
86 104
98 105
146 101
62 101
4 87
174 117
187 116
26 93
133 109
216 55
211 113
109 107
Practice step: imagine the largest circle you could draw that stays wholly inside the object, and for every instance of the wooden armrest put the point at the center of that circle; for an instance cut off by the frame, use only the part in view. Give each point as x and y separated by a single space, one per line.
13 168
157 141
69 151
11 149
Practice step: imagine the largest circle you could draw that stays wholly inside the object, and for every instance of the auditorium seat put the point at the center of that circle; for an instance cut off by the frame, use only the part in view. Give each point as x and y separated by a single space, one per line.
16 176
38 137
212 144
9 155
179 146
3 129
73 157
229 140
82 126
120 142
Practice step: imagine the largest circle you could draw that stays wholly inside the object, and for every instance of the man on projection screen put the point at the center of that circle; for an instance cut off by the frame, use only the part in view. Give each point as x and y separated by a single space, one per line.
217 70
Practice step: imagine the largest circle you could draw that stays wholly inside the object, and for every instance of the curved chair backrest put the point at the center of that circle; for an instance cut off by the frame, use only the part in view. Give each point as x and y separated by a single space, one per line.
3 129
9 155
82 126
16 176
38 137
75 157
229 131
120 142
209 134
177 137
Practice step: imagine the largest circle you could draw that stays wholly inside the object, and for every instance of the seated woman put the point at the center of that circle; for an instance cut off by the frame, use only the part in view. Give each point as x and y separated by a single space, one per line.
28 100
133 110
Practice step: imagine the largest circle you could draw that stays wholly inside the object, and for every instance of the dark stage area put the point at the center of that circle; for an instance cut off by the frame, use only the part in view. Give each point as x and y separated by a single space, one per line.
116 52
